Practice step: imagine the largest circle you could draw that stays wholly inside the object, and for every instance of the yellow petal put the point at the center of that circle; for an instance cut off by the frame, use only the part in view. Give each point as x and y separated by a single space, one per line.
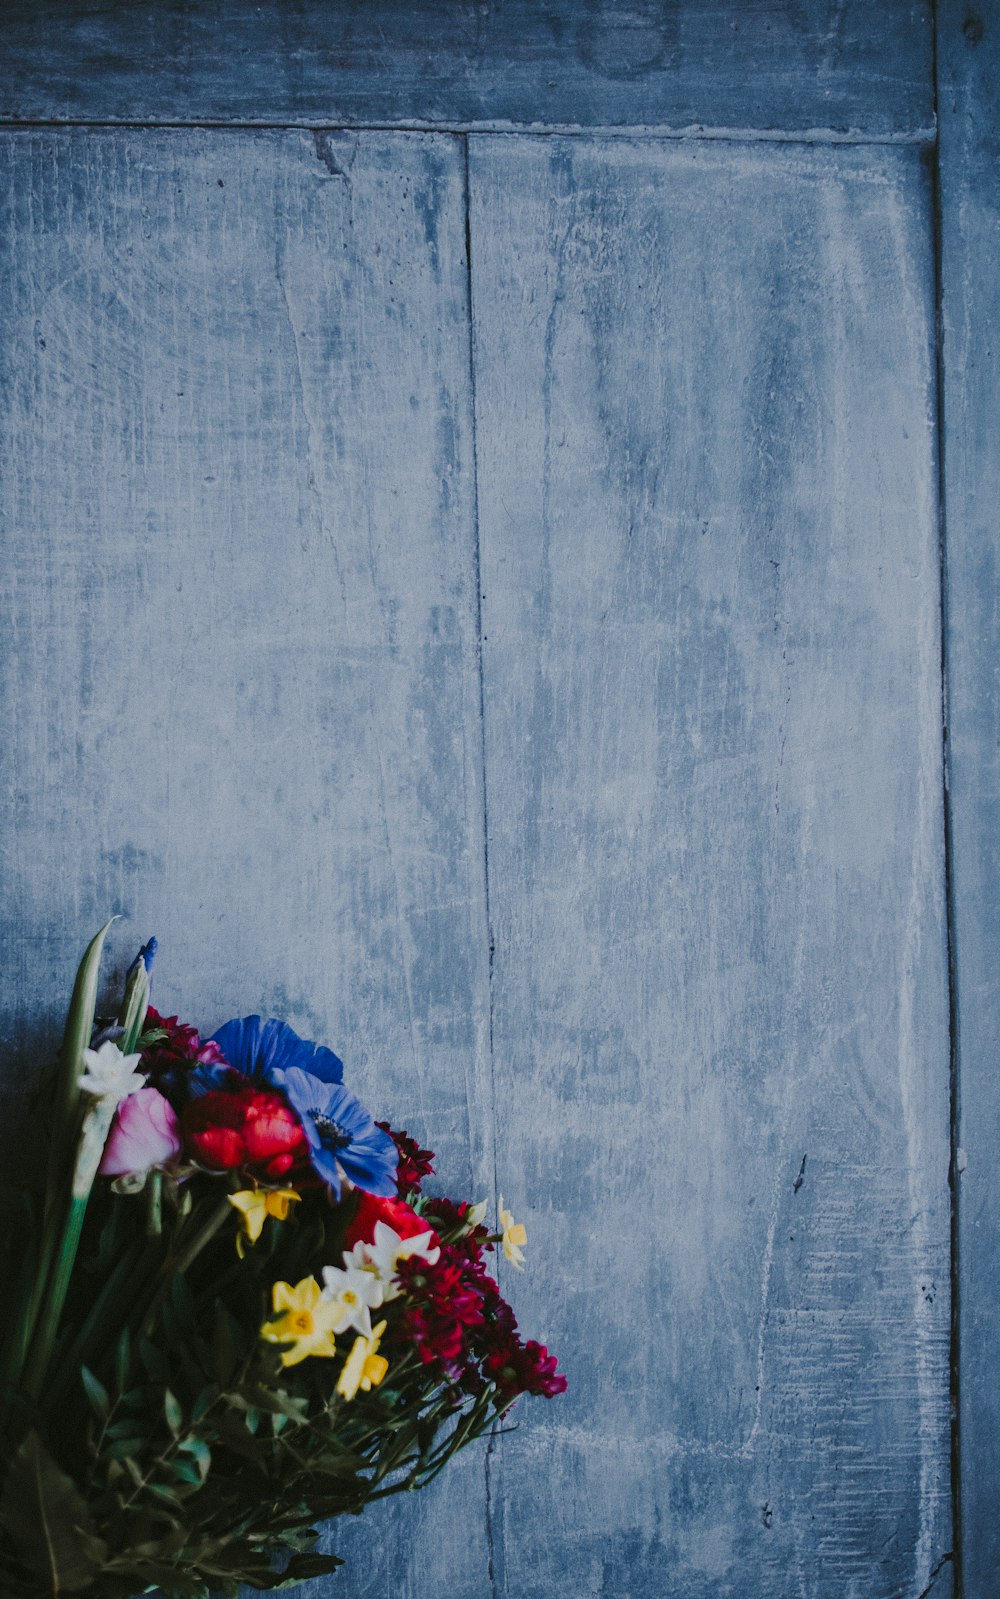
277 1331
278 1201
297 1353
283 1297
376 1367
350 1378
320 1344
309 1294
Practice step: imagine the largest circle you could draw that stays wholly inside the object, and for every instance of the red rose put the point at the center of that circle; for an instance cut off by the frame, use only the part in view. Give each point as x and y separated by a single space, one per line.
245 1127
395 1214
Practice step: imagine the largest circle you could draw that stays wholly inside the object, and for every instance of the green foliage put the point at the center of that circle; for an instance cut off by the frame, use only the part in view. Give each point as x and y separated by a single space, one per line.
48 1521
149 1437
171 1447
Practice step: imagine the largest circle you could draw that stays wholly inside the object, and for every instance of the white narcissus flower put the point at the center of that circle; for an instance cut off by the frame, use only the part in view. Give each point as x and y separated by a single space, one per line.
109 1078
355 1294
381 1257
110 1074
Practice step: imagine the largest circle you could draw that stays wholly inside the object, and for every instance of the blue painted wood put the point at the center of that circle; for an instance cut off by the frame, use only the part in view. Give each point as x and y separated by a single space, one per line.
239 677
710 589
969 99
784 65
237 498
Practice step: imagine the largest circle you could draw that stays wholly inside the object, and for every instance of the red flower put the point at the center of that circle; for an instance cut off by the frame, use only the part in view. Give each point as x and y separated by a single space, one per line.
395 1214
182 1043
458 1321
444 1303
245 1127
524 1369
449 1217
414 1163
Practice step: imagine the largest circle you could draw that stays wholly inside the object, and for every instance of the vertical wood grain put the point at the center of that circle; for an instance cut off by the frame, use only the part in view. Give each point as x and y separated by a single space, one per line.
239 679
712 714
969 111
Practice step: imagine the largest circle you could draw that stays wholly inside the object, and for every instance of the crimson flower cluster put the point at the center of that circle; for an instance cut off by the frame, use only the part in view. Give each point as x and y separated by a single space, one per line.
460 1324
414 1163
180 1049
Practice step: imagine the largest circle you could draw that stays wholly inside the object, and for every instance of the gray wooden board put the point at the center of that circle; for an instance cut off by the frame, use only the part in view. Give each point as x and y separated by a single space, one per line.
239 675
969 102
712 689
845 66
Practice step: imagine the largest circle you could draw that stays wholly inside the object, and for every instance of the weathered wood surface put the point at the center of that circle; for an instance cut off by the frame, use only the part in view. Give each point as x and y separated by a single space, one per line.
712 712
969 106
239 677
844 66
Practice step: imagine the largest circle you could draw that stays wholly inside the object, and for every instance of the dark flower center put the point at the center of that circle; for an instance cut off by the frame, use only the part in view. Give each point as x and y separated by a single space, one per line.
331 1133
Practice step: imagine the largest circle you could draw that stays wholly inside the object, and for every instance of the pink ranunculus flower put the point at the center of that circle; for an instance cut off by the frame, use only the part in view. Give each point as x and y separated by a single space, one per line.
144 1133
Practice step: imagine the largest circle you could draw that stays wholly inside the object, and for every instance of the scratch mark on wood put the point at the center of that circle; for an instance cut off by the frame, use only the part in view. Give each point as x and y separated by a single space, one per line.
324 154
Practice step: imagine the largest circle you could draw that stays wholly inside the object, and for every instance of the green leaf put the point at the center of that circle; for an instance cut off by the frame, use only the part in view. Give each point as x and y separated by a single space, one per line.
273 1400
123 1448
123 1353
224 1345
155 1362
132 1015
169 1578
123 1429
173 1412
182 1300
199 1450
76 1038
301 1567
97 1395
48 1521
160 1491
203 1404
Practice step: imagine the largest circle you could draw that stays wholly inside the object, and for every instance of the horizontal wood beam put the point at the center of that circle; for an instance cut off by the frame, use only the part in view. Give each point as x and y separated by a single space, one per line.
855 70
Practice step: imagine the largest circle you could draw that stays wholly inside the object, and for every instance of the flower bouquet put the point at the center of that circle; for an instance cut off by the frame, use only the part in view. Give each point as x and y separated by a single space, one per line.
231 1313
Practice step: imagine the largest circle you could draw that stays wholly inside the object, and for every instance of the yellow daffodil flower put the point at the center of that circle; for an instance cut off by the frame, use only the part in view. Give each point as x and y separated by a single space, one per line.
255 1205
514 1236
364 1366
305 1321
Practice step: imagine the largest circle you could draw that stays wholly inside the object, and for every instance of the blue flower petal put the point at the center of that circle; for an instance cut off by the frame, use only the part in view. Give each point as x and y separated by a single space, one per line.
374 1170
325 1165
239 1041
204 1079
258 1049
340 1132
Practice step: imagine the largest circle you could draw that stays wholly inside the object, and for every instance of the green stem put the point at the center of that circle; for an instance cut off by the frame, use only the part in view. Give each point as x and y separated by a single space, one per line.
60 1229
124 1285
179 1263
154 1204
44 1334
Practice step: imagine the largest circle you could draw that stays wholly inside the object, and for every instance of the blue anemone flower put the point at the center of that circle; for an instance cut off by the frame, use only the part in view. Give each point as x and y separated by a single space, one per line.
257 1049
342 1137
